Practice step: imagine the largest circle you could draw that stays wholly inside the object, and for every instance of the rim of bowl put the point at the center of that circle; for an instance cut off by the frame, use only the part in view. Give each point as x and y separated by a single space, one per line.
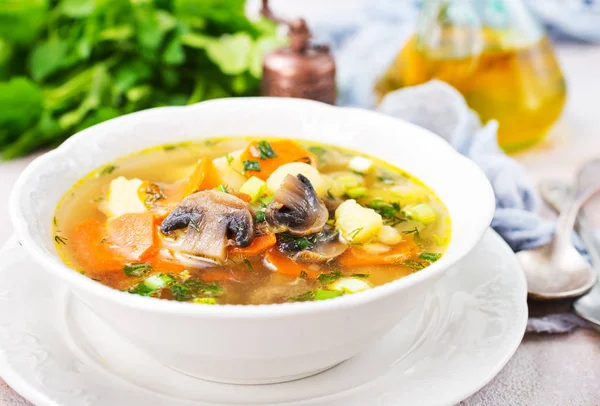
62 271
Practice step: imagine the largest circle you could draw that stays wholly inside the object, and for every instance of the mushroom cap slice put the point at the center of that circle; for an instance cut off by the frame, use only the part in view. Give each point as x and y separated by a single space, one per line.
213 220
323 251
296 208
325 246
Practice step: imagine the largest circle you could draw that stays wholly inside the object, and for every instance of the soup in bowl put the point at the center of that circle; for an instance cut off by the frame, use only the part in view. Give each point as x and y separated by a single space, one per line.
249 221
304 230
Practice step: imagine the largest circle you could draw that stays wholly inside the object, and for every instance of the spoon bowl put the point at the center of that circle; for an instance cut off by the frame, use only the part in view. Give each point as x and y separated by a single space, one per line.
550 276
557 270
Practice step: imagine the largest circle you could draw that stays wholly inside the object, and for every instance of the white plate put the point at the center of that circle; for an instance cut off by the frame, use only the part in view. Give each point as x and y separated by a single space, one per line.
473 322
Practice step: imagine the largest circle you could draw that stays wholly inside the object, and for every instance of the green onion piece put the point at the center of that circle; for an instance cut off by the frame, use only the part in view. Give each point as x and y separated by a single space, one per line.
205 300
421 212
357 192
322 294
266 200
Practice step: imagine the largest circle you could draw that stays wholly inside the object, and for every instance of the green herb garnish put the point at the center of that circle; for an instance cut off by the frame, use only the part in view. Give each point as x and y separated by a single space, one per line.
222 188
170 147
327 278
60 240
416 265
260 216
153 285
203 288
430 256
265 151
318 151
181 292
415 232
229 159
137 269
386 210
360 275
194 224
386 179
107 170
304 297
251 165
154 193
303 243
352 234
248 264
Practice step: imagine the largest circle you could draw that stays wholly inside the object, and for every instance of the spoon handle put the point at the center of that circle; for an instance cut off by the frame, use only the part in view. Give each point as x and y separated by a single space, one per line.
555 194
567 217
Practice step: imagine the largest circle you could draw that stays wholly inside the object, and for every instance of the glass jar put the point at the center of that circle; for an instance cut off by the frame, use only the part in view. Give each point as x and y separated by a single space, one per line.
496 54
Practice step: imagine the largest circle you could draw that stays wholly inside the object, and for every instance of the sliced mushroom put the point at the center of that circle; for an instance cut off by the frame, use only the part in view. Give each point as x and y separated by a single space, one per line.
322 252
213 220
325 246
296 208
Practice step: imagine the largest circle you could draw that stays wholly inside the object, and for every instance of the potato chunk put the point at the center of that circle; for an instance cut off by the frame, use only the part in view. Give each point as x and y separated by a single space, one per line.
123 197
295 168
357 224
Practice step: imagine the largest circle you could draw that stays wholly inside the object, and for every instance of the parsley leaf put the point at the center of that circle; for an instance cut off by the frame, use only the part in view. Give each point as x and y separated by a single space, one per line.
304 297
138 269
416 265
430 256
327 278
260 216
250 165
265 150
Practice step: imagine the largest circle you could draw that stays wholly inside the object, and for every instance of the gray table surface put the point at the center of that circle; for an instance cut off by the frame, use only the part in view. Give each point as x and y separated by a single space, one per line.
546 369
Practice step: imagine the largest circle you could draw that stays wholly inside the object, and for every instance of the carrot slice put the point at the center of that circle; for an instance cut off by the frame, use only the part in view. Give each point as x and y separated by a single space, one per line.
357 256
91 249
286 151
260 244
132 234
205 176
287 266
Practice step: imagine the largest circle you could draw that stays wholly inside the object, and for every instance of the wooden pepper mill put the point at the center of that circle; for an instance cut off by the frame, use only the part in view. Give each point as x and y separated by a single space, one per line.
301 70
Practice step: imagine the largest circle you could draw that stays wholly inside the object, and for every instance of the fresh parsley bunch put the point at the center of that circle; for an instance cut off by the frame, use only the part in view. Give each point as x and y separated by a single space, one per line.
69 64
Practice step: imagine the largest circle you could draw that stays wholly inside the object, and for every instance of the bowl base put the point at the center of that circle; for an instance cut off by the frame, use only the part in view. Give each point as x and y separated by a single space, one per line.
267 381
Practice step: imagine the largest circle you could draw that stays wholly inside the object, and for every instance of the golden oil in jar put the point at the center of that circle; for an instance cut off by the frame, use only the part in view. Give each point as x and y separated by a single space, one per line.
520 86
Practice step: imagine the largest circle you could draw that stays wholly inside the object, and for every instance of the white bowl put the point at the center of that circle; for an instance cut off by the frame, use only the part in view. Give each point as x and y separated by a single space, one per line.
266 343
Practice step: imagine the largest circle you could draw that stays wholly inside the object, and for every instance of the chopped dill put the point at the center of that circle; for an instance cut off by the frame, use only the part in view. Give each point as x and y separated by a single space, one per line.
60 240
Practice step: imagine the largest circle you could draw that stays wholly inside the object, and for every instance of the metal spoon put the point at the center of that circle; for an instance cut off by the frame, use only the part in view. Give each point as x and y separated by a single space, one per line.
557 270
554 194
